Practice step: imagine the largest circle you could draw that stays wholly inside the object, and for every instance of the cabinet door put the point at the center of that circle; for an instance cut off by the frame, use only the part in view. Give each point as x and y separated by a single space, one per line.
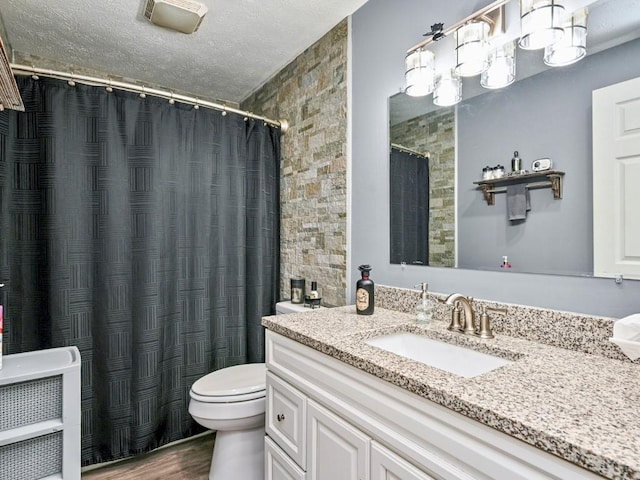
277 465
335 449
285 417
386 465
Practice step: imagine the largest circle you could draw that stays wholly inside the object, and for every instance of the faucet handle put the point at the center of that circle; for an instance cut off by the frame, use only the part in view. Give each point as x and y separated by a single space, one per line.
485 323
455 324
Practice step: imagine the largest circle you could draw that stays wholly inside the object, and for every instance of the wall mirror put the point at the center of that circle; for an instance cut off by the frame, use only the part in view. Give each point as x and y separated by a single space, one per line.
439 153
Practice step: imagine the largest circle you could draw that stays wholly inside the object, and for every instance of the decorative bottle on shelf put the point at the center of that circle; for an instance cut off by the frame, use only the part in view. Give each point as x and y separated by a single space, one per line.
364 292
424 307
516 162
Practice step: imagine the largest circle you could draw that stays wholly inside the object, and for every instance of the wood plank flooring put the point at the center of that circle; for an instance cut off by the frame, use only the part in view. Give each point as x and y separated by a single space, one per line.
189 460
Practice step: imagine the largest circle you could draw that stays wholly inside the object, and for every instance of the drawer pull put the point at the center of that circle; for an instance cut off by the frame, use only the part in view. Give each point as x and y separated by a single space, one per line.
280 417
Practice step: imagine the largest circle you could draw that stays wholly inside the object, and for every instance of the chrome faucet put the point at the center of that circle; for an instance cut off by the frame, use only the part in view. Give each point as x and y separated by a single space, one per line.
469 324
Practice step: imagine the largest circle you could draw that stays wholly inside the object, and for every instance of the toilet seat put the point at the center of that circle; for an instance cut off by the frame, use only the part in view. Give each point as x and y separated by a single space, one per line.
239 383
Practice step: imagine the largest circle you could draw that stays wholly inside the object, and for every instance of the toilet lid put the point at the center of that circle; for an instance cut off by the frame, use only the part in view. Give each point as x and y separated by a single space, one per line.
240 380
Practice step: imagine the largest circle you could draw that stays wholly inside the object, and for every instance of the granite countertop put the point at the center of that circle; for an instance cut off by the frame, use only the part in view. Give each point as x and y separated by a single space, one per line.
581 407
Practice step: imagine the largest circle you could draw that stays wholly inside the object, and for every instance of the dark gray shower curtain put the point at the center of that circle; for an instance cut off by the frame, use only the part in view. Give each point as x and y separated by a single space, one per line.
147 234
409 209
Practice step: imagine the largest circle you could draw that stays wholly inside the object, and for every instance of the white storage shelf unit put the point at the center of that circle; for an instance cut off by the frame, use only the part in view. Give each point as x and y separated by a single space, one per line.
40 415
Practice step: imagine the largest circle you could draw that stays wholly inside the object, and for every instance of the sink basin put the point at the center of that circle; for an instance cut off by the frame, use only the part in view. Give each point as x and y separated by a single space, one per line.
450 358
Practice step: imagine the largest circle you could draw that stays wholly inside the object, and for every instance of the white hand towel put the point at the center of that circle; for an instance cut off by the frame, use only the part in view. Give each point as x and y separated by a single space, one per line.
626 334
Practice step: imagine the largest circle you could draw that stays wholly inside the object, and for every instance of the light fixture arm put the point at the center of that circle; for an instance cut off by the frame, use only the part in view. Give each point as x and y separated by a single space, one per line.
492 14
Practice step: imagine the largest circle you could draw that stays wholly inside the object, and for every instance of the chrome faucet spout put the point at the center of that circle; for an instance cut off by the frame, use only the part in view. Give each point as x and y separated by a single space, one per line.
469 325
451 299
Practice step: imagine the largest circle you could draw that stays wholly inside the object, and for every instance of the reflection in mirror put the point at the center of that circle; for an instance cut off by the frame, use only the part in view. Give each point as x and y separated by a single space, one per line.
545 113
431 135
409 190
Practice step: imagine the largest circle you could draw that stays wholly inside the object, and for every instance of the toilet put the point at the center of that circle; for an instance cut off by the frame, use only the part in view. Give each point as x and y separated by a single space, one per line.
232 402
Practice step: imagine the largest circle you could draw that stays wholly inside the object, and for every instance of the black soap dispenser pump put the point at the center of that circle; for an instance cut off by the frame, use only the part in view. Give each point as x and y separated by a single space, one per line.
364 292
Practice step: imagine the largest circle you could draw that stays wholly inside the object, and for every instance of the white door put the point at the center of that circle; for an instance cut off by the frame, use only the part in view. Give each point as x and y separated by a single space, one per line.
616 180
336 449
386 465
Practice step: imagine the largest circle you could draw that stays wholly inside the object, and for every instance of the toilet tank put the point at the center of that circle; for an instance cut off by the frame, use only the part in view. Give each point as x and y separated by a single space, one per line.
282 308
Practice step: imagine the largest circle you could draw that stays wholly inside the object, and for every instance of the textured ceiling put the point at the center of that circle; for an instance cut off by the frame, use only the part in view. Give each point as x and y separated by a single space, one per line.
240 44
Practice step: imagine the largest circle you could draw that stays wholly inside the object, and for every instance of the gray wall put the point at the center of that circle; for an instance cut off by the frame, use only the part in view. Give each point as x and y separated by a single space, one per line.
547 115
382 30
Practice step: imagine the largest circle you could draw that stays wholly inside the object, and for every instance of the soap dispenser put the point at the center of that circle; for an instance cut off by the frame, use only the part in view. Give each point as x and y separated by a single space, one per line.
424 307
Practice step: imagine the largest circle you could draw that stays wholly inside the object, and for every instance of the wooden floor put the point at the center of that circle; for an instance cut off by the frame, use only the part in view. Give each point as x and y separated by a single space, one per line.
186 461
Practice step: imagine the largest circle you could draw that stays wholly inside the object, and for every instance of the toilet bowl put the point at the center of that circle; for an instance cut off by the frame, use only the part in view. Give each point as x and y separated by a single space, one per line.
232 402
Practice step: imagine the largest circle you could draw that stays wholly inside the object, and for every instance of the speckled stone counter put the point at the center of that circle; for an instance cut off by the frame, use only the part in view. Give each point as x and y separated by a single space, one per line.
579 406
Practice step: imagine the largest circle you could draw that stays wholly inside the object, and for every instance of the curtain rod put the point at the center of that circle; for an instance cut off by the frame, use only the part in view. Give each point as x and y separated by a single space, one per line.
141 89
404 149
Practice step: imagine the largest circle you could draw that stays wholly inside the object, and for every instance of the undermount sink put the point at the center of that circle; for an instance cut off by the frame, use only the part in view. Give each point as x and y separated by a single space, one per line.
450 358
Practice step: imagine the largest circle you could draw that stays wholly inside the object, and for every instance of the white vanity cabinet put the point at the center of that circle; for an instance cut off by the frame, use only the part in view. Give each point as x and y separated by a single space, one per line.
327 420
335 449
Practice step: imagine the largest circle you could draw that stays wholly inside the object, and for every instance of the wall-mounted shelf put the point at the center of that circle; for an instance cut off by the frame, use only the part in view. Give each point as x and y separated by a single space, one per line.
498 185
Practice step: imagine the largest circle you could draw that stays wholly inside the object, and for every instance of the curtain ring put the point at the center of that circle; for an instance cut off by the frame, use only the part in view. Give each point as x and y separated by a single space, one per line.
142 94
35 75
71 81
196 106
109 87
171 100
224 110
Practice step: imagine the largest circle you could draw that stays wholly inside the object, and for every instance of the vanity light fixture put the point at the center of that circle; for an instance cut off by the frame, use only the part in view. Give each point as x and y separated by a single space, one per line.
420 72
501 67
480 47
573 45
472 47
448 90
540 23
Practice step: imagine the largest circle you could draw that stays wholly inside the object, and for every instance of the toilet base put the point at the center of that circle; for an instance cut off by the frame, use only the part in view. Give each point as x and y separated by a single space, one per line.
228 464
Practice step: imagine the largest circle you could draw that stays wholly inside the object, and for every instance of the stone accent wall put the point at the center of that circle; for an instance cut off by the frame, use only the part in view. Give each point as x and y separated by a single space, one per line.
433 134
311 94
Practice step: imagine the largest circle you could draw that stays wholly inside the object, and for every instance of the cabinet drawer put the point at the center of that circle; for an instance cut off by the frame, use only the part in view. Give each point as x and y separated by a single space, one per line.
286 411
278 466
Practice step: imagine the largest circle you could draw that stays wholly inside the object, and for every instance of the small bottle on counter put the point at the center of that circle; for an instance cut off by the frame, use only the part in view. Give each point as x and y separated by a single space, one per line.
424 307
297 290
313 294
364 292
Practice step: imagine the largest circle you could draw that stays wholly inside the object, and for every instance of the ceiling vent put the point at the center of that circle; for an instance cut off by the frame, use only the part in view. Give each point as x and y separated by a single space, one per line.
182 15
9 92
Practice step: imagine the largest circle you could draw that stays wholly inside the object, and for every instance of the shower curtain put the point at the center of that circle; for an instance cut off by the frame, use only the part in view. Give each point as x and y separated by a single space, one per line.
409 194
146 234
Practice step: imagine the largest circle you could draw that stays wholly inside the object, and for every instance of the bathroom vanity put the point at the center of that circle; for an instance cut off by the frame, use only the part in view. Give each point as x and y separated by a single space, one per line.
339 408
